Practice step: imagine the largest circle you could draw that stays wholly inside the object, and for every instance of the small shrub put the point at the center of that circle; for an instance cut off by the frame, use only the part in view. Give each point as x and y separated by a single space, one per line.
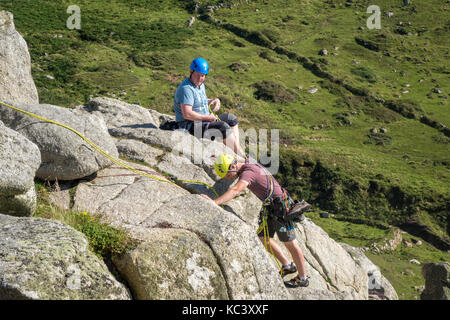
365 73
270 91
104 240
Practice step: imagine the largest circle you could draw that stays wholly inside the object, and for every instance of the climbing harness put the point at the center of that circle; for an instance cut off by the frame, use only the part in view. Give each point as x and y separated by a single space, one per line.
116 161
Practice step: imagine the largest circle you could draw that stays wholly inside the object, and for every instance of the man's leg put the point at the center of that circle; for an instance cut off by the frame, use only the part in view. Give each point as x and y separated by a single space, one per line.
233 143
232 140
276 250
237 144
297 256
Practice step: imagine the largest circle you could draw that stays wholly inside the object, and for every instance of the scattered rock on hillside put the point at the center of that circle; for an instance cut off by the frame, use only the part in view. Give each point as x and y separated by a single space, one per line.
323 52
48 260
191 22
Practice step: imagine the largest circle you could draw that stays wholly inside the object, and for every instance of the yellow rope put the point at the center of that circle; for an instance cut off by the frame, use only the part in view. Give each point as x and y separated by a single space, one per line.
209 106
99 150
265 227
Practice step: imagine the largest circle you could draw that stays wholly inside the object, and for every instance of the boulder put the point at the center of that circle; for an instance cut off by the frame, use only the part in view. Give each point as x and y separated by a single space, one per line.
65 155
19 160
119 114
329 266
247 268
437 281
378 285
48 260
173 264
16 82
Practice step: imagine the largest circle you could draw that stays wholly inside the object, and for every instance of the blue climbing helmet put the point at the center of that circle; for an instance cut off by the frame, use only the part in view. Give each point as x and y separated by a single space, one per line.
200 65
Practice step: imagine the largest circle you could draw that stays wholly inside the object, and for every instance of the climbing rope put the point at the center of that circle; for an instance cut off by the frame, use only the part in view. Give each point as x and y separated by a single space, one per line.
209 106
264 225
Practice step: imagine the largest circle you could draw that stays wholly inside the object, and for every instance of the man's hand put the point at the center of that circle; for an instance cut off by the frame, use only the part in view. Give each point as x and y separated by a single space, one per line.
206 197
216 103
209 118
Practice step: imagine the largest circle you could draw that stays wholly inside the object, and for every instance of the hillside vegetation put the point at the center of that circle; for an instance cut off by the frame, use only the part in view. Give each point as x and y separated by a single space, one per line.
370 142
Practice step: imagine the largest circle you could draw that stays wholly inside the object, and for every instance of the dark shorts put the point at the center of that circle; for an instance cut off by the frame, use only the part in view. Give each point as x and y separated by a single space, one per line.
214 129
285 229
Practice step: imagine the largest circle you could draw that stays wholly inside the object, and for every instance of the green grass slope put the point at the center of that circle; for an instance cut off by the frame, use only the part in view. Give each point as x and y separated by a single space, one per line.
264 58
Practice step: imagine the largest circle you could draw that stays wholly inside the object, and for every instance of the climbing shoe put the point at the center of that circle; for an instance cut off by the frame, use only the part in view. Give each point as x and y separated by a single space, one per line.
288 269
296 282
296 212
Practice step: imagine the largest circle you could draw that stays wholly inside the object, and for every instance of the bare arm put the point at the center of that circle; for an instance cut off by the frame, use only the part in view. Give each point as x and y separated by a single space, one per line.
232 192
189 114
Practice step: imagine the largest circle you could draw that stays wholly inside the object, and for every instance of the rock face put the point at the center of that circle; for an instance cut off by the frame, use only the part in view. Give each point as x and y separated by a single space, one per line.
19 160
65 155
379 286
330 267
16 83
48 260
120 114
163 213
172 264
437 281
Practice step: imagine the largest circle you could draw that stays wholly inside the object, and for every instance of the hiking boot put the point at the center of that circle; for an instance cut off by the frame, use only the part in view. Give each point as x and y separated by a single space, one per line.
296 282
288 269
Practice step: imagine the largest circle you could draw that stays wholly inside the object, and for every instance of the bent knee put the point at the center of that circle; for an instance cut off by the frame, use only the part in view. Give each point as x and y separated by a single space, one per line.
229 118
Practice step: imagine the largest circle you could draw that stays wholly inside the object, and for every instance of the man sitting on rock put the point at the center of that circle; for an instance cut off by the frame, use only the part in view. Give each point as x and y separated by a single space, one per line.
192 111
279 212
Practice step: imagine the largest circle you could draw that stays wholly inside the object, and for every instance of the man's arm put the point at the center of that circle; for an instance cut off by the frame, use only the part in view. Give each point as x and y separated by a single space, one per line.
189 114
232 192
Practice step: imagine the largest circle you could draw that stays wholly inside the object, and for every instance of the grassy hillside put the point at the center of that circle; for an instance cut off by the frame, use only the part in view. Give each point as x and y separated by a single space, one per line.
264 58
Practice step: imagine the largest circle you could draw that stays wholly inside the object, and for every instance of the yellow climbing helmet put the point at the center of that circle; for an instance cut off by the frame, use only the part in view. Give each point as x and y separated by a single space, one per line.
222 164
